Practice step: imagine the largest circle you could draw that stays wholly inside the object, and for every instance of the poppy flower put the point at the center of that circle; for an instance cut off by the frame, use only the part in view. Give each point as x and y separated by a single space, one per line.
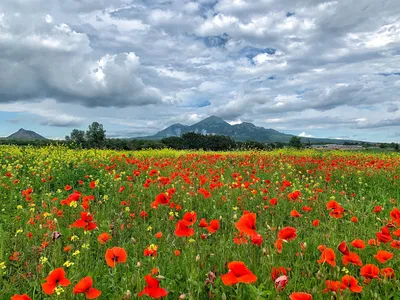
278 245
328 256
343 248
247 224
369 272
257 239
56 277
273 201
352 258
387 272
161 199
20 297
300 296
238 272
383 256
351 283
315 223
190 217
295 214
214 226
281 282
203 223
288 233
115 255
85 222
239 239
152 289
395 244
85 285
360 244
333 286
159 235
104 238
354 219
277 271
384 235
182 229
151 250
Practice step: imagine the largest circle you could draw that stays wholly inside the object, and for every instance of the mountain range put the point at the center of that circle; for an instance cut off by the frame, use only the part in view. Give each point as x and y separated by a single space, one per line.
240 132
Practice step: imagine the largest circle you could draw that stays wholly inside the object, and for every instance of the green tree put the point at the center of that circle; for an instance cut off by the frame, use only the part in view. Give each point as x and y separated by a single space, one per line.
96 135
78 136
295 142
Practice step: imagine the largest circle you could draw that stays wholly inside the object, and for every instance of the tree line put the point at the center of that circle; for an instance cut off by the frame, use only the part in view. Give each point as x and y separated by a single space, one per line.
95 137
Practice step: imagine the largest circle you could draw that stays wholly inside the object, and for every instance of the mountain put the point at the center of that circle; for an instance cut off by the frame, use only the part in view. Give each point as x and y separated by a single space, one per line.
239 132
23 134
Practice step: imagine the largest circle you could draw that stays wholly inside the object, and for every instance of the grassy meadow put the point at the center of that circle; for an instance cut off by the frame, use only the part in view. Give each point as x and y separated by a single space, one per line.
77 224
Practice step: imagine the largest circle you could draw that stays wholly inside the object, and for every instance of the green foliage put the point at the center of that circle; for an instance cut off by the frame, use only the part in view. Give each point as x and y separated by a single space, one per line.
295 142
95 135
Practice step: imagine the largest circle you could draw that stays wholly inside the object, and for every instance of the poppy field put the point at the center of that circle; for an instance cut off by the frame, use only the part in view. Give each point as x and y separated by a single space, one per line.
287 224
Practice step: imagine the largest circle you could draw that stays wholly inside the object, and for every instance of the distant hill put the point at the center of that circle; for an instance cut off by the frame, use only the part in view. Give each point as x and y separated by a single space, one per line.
23 134
239 132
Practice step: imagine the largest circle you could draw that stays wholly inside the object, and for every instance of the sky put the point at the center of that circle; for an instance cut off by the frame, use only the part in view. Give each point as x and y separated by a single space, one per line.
308 67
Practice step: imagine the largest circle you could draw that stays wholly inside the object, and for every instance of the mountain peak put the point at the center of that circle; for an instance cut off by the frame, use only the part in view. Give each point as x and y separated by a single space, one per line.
212 120
23 134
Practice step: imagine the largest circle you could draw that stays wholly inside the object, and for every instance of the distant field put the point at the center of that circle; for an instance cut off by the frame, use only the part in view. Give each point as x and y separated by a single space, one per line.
183 219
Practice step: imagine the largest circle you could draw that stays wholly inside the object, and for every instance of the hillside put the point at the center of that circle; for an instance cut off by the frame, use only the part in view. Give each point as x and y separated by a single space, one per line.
23 134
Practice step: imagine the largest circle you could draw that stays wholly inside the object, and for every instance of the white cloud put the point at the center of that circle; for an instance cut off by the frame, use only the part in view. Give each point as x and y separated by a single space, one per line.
303 134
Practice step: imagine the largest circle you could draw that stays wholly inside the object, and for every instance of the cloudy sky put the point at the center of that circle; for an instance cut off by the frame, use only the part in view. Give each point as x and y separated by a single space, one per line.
306 67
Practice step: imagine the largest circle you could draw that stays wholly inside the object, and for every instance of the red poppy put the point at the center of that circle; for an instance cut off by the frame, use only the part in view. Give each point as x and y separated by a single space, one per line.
182 229
351 283
343 248
159 235
20 297
315 223
239 239
383 256
247 224
104 238
295 214
352 258
85 285
395 244
360 244
333 286
328 256
238 272
203 223
161 199
287 233
152 289
384 235
278 245
115 255
369 272
85 222
354 219
277 271
190 217
300 296
214 226
56 277
387 272
151 250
